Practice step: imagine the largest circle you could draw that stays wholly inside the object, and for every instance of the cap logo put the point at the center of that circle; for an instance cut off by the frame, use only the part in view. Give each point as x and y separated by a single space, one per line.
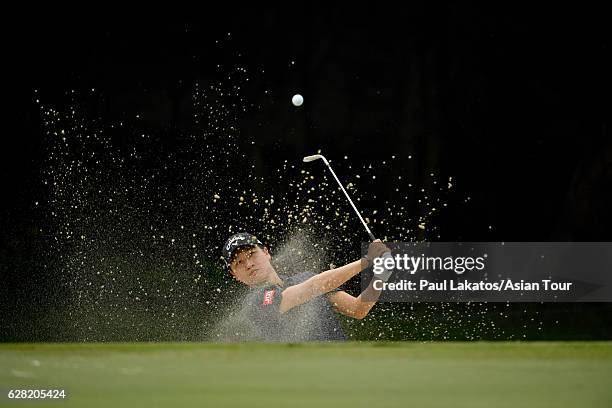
269 297
232 242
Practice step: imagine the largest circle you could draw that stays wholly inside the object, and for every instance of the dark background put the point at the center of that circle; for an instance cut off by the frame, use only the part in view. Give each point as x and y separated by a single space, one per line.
513 103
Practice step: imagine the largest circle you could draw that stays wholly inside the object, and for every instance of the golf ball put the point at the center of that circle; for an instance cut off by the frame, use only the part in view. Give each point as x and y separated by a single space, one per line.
297 100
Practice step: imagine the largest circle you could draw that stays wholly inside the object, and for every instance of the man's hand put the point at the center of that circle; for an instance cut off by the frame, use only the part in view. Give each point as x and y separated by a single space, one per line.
375 250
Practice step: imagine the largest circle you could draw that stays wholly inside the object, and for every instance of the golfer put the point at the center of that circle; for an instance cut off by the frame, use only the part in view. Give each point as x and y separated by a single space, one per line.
300 307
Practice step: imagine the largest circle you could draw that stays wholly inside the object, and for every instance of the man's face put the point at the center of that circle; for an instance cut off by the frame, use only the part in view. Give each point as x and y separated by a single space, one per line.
251 266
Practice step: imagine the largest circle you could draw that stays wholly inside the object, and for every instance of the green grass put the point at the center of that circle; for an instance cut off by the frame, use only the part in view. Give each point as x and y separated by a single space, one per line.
478 374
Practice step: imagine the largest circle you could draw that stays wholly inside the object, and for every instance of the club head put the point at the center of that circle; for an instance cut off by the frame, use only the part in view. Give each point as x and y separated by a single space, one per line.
313 158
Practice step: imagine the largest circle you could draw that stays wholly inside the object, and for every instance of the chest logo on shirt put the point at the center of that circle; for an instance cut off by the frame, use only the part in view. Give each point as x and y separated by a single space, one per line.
269 297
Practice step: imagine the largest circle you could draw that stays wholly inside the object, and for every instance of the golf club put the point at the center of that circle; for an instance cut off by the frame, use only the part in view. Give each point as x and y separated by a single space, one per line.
319 156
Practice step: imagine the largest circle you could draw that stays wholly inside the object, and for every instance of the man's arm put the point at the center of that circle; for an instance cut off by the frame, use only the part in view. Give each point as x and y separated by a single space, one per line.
355 307
329 280
317 285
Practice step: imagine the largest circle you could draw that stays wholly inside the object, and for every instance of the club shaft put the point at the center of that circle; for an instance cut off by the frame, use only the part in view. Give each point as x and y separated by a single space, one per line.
351 202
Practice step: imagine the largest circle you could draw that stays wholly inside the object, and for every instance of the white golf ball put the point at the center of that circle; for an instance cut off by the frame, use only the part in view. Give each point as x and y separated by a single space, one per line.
297 100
